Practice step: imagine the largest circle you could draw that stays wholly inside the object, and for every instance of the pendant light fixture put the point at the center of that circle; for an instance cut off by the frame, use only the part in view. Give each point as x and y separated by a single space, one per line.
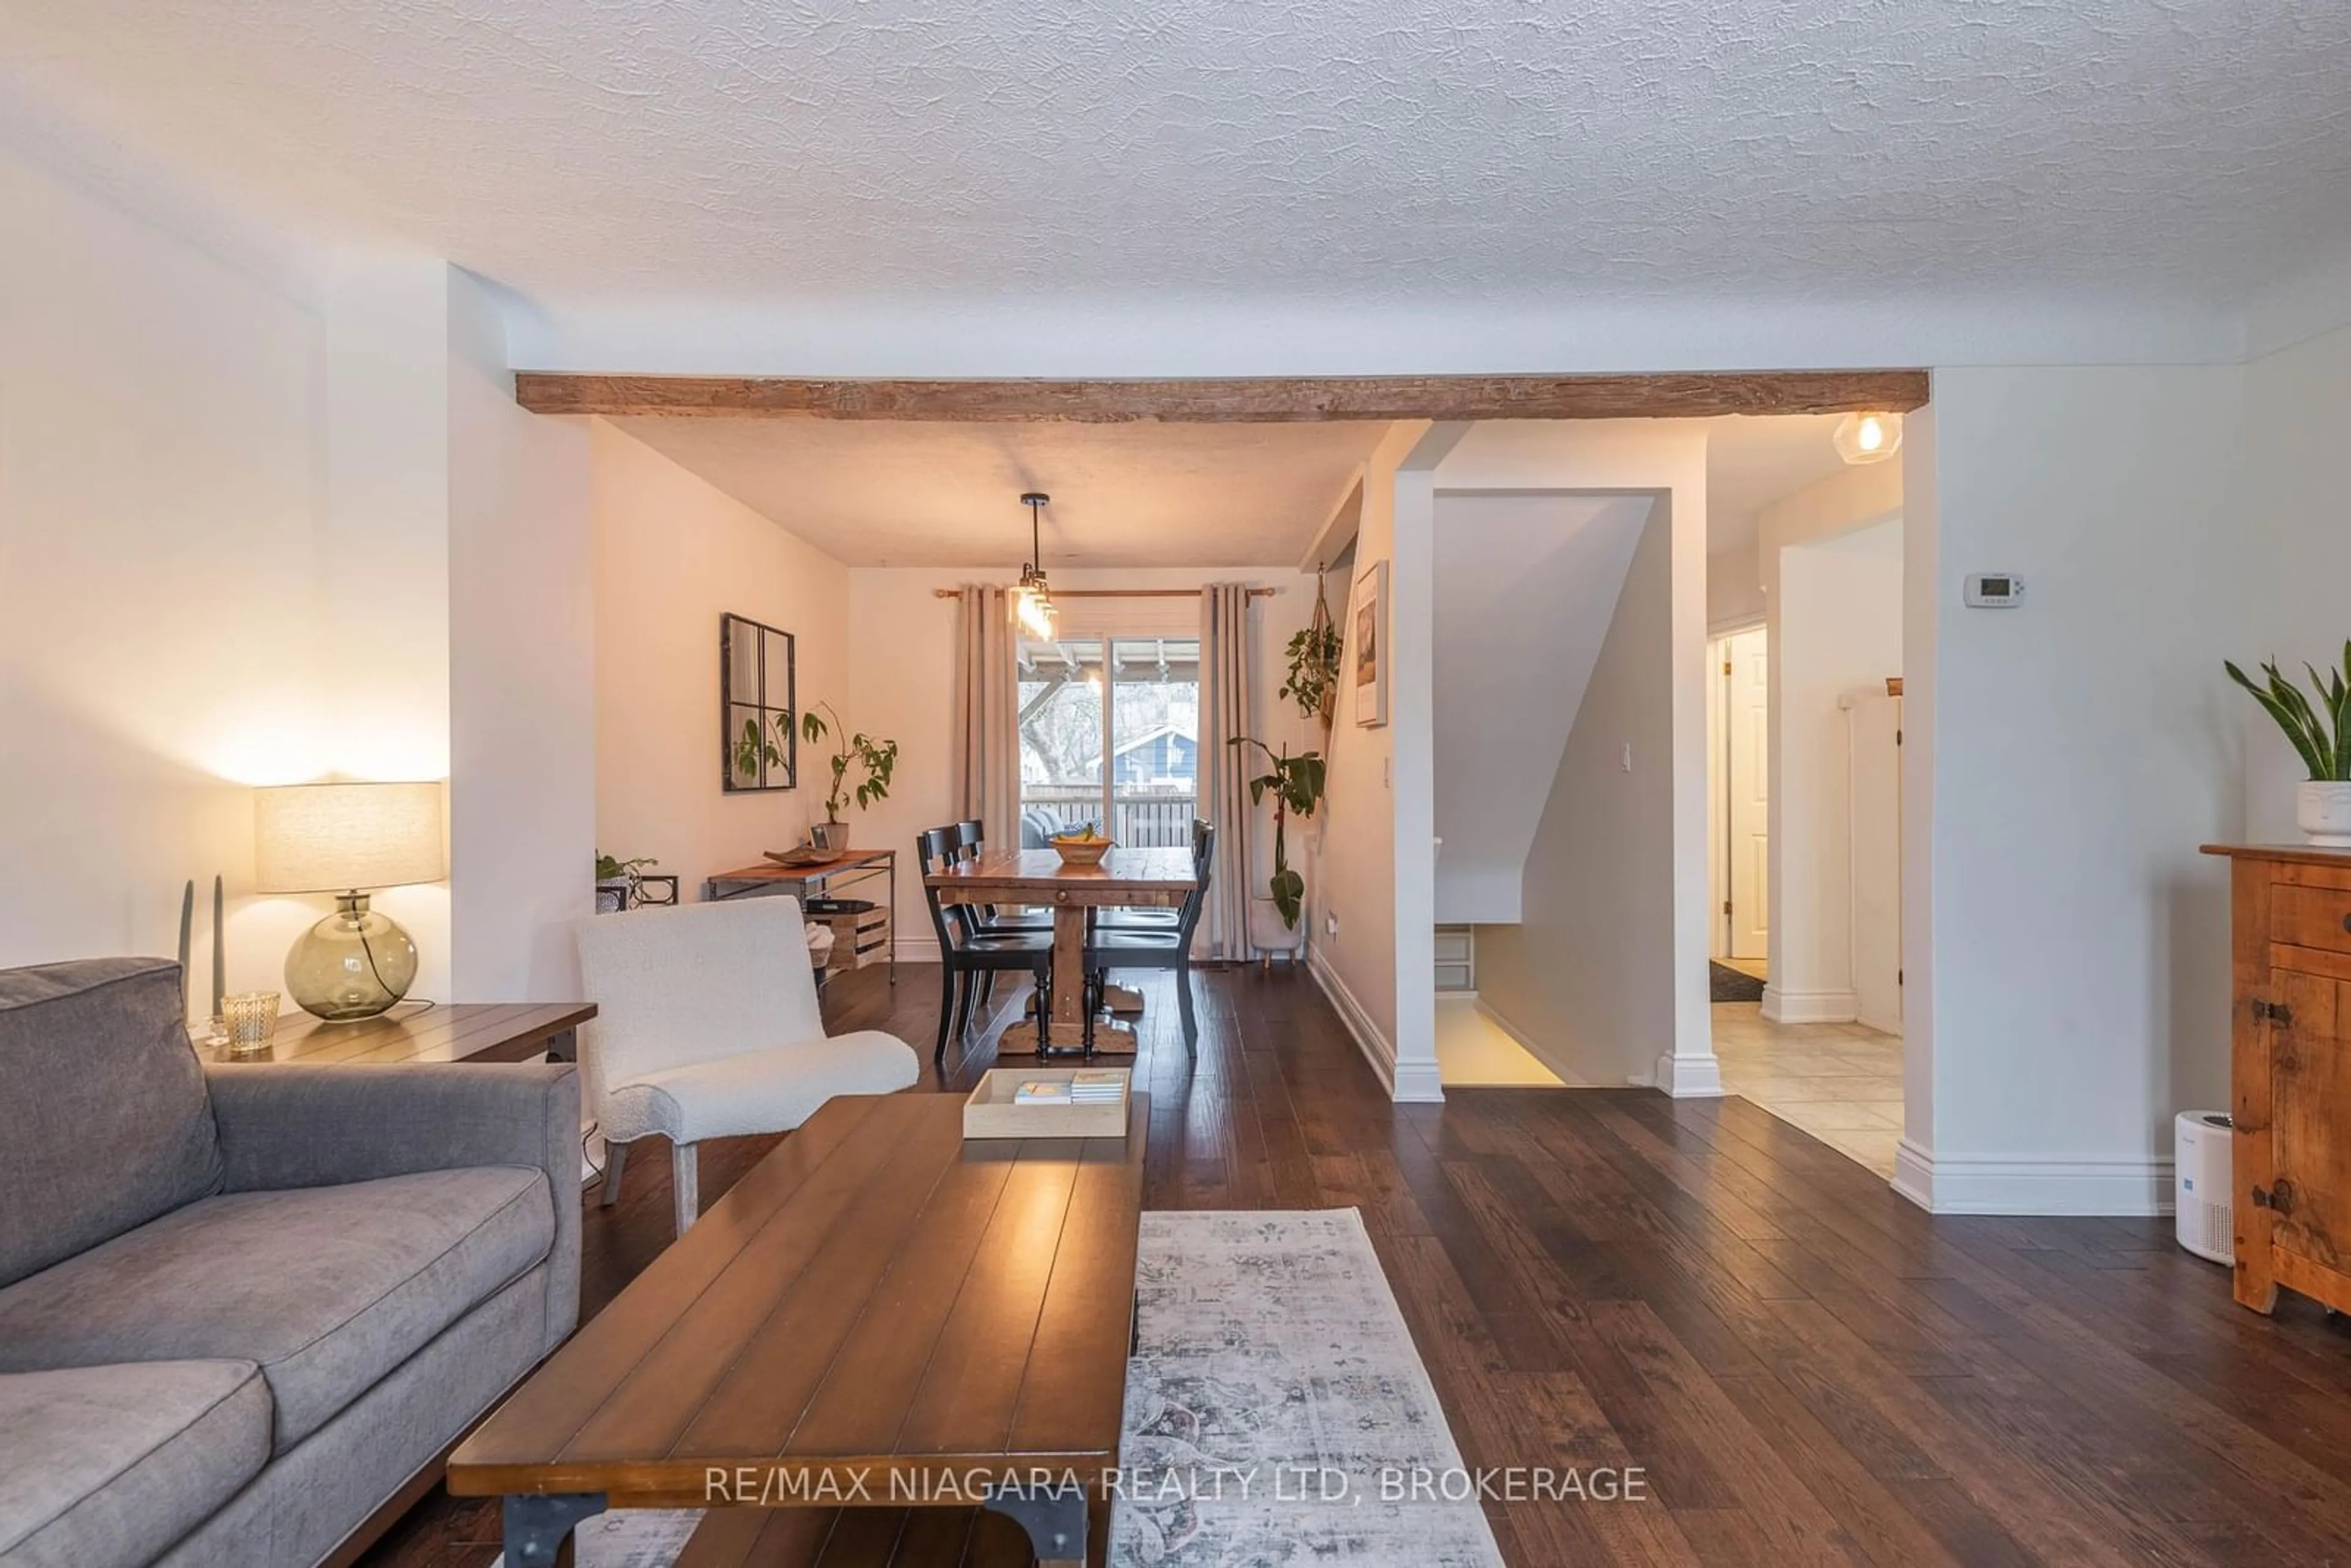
1032 601
1867 437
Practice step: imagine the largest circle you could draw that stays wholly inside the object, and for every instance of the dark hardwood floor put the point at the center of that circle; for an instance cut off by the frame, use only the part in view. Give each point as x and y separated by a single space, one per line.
1807 1368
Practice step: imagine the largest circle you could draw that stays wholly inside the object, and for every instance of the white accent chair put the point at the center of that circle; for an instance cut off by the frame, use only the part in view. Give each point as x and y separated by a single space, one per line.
706 1027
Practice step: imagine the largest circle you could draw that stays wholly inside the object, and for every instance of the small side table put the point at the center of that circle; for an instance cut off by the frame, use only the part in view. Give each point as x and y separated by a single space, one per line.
429 1031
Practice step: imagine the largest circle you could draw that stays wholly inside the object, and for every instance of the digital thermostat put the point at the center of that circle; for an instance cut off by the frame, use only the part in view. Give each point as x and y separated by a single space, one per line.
1995 591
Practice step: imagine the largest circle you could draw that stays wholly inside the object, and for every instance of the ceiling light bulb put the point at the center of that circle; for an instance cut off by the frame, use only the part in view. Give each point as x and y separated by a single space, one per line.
1034 612
1867 437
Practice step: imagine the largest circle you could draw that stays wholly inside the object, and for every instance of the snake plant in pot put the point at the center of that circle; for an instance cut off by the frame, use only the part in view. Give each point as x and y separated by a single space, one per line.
2319 726
1296 785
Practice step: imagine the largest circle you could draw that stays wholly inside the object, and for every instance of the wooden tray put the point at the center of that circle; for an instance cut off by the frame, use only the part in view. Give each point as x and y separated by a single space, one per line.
990 1112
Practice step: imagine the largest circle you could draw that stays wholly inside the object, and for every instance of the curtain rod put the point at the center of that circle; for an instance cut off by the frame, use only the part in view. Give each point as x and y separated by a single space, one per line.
1115 592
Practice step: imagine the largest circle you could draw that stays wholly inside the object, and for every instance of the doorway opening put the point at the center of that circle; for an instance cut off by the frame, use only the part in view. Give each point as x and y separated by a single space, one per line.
1738 800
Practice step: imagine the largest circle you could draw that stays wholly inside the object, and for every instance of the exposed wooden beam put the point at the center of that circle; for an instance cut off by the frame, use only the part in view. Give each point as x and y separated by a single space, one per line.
1681 395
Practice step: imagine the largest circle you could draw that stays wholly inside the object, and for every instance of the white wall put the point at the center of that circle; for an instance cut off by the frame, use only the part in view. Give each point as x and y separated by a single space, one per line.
1734 588
672 555
1354 868
1524 586
1585 980
1836 630
162 536
2297 534
2066 947
1551 972
521 674
901 679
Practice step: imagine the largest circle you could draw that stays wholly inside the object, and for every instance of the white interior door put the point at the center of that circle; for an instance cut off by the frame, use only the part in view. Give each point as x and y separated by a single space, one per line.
1747 732
1718 798
1877 795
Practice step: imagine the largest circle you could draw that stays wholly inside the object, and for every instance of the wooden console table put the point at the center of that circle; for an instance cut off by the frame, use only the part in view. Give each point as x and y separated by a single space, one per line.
429 1031
857 939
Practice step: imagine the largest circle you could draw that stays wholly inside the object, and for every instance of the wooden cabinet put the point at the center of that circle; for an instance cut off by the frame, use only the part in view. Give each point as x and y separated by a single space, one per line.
2290 916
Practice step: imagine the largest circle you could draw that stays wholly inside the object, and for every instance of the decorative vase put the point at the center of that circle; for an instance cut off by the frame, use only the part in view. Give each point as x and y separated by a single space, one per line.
2322 812
830 836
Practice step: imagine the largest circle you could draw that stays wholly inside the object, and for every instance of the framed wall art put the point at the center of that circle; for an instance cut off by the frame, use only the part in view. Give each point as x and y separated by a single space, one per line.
1367 645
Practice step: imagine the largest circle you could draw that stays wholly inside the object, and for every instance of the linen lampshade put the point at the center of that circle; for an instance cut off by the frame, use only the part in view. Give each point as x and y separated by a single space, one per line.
328 838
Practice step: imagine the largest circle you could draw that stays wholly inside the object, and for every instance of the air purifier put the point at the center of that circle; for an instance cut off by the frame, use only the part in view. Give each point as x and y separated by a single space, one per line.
2201 1146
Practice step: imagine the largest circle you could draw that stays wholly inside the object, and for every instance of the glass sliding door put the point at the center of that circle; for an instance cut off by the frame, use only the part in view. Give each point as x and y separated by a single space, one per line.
1110 734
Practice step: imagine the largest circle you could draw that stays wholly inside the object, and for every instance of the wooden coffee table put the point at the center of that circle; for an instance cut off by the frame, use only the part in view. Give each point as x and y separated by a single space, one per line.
879 1315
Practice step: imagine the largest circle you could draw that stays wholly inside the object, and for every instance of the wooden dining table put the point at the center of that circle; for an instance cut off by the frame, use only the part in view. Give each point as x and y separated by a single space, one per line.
1125 879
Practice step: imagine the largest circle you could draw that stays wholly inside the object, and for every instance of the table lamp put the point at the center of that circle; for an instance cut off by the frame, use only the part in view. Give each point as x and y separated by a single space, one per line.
345 839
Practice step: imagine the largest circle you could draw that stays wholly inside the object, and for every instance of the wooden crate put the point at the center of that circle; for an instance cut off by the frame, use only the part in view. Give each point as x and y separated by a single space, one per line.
990 1113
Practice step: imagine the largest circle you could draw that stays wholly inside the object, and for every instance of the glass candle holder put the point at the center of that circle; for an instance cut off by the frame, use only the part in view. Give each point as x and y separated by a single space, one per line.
249 1021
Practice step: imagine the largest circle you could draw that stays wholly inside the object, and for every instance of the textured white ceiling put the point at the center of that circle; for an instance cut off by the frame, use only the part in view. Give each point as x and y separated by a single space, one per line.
740 154
885 493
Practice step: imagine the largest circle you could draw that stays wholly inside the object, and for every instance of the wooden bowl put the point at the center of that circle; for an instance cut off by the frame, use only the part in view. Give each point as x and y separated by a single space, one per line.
1081 851
803 856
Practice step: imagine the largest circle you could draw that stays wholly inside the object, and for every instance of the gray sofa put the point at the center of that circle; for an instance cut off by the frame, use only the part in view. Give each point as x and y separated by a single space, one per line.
242 1306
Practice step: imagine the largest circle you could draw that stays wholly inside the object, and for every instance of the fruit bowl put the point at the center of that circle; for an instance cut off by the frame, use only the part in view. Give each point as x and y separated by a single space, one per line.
1081 852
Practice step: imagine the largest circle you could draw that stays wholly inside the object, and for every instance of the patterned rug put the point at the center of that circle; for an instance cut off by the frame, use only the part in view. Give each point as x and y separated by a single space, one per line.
1276 1413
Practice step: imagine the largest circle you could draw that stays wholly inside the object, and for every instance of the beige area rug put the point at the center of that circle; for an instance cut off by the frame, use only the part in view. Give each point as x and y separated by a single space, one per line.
1277 1412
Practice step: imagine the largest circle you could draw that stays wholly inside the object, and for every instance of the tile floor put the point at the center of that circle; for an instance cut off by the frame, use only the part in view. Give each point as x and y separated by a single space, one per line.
1839 1082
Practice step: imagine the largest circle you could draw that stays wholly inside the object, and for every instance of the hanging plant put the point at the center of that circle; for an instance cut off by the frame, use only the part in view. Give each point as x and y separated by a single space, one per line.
1313 681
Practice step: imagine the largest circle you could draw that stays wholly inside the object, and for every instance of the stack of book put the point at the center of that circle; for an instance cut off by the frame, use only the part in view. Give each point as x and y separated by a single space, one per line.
1100 1087
1096 1088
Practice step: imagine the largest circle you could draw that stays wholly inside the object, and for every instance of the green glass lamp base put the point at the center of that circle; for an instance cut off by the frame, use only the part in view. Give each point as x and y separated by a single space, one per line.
354 963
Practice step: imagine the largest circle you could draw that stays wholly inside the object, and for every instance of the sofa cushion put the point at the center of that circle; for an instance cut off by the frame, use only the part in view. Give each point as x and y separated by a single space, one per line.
108 1125
769 1090
105 1467
327 1288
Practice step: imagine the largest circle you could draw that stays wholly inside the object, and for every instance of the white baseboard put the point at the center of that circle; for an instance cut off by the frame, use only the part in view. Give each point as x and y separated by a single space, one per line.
1418 1082
1688 1077
1809 1006
1980 1183
916 949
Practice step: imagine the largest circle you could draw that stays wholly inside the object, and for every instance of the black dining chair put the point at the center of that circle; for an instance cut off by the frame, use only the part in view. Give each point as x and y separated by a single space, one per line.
971 842
1108 948
1204 838
969 956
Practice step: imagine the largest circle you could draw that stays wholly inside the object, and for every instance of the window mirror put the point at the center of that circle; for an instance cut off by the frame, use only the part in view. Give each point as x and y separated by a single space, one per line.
758 706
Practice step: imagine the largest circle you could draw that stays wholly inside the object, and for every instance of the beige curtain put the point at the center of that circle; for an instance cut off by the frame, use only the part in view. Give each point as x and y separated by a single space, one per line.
1226 711
986 750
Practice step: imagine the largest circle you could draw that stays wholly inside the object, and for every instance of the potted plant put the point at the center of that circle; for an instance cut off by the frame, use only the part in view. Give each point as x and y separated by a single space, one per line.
1313 679
1296 785
873 759
617 881
2320 730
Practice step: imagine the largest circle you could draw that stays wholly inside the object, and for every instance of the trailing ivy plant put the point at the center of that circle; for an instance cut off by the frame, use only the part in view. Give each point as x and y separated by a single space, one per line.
875 759
1313 681
1296 785
2320 730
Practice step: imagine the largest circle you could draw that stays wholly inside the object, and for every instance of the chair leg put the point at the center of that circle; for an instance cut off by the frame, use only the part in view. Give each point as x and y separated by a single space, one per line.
616 1160
987 988
1184 1003
685 1180
964 993
947 978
